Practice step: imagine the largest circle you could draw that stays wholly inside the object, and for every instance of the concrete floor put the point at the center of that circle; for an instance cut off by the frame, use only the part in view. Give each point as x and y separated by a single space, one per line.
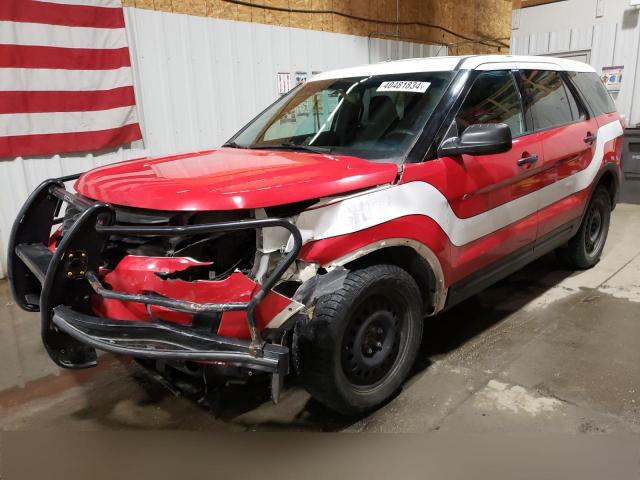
546 350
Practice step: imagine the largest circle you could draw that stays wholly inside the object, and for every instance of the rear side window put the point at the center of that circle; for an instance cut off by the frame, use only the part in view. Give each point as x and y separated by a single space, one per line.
493 98
593 91
549 102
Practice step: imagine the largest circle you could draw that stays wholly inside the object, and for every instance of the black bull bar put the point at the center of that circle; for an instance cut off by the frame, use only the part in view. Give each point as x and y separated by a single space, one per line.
59 285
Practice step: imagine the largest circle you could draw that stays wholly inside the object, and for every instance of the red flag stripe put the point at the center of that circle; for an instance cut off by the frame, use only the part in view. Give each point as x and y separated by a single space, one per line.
67 142
38 102
22 56
59 14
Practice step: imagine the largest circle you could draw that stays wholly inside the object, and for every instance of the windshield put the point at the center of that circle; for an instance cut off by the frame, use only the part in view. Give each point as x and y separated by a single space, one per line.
375 118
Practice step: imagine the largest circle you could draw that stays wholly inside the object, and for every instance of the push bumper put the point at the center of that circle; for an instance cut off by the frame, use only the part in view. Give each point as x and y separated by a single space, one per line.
60 284
166 341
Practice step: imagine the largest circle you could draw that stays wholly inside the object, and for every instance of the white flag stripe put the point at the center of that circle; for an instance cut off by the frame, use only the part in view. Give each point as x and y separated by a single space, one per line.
40 34
43 123
42 79
91 3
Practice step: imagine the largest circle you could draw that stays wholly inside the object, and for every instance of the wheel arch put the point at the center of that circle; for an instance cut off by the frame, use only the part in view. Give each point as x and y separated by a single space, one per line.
414 257
610 178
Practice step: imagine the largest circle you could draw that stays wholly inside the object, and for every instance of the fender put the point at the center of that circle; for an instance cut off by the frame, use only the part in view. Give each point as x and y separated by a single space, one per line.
439 296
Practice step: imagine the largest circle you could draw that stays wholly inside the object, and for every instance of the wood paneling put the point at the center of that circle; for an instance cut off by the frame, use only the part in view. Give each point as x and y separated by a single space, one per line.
488 19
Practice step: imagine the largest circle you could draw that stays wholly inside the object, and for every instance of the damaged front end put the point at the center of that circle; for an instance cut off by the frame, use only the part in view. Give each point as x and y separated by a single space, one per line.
179 287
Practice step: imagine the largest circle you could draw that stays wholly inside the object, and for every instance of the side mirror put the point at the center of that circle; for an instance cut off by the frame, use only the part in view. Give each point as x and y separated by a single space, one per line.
478 139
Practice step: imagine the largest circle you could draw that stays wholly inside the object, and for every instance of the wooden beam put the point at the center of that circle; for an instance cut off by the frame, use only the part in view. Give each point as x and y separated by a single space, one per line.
534 3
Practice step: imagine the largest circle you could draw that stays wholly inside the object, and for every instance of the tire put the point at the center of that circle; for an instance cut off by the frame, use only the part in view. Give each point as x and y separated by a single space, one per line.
362 341
585 248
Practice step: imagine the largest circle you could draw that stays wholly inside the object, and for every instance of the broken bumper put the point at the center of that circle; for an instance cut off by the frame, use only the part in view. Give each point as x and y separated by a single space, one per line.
166 341
61 283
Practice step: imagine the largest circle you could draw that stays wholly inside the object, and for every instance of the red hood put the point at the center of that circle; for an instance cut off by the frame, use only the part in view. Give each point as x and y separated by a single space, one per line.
227 179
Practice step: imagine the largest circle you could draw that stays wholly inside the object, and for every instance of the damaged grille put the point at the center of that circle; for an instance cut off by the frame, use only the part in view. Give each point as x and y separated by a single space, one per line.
225 251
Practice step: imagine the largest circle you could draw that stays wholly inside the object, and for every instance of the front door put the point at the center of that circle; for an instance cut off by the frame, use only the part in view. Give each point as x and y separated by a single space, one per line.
494 211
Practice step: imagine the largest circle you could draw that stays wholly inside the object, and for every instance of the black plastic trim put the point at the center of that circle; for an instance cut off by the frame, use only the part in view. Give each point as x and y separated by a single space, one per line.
48 279
36 257
426 146
160 340
510 264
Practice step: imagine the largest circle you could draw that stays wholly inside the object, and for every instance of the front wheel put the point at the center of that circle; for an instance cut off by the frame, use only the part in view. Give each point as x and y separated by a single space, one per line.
363 339
585 248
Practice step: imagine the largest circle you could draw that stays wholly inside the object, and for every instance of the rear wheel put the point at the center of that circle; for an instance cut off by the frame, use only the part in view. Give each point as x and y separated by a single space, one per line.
363 339
585 248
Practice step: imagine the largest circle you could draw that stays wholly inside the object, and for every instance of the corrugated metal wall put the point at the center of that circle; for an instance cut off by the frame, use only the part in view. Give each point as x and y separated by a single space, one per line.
613 40
197 81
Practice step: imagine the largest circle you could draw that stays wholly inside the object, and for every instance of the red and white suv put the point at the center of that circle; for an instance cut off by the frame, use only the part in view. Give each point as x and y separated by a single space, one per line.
323 233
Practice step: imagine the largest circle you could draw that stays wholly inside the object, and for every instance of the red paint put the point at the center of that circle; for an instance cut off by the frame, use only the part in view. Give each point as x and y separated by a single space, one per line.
228 179
233 179
138 275
475 184
565 154
413 227
68 142
34 102
35 56
457 262
31 11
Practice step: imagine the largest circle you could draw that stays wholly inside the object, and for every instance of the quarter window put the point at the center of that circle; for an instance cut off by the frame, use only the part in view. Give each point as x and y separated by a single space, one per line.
548 101
493 98
594 92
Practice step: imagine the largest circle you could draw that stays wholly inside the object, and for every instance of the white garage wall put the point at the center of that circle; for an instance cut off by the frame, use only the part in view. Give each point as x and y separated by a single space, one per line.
570 27
197 81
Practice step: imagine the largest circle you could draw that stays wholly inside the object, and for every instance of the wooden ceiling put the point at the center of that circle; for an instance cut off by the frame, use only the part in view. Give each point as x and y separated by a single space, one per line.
533 3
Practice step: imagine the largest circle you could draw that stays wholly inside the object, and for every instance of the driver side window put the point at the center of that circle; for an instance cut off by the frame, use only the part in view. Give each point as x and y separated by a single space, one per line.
493 98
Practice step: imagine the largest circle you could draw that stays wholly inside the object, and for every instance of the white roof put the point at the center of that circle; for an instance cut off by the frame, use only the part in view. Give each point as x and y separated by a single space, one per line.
441 64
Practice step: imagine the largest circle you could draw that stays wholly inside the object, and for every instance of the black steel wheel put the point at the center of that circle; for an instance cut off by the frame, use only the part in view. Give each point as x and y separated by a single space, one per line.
594 233
373 337
585 248
363 339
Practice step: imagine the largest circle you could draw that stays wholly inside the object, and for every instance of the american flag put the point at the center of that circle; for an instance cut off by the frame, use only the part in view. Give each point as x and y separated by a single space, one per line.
65 77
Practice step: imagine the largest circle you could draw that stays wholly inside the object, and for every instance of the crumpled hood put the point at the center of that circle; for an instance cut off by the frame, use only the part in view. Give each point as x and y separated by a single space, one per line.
227 179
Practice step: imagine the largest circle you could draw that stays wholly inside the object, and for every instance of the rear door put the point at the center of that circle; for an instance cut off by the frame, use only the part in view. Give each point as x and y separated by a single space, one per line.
568 139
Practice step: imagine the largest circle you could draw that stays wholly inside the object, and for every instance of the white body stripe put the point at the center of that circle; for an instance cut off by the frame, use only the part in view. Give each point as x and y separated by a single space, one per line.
90 3
420 198
44 35
42 79
53 122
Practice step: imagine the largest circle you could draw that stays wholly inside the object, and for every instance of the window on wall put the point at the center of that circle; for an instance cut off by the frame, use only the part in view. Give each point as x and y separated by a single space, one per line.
549 102
493 98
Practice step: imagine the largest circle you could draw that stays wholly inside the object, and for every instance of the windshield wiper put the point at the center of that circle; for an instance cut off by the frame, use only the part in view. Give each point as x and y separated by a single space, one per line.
233 145
291 146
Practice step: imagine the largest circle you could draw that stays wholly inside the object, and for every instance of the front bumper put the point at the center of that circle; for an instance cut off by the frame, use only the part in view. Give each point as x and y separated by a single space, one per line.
61 283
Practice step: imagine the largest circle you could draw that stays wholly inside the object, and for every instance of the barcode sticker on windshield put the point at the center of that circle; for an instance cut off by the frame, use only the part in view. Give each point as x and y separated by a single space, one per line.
403 86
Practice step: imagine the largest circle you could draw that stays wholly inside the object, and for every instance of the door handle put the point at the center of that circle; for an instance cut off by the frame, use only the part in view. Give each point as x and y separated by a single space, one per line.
590 138
530 160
